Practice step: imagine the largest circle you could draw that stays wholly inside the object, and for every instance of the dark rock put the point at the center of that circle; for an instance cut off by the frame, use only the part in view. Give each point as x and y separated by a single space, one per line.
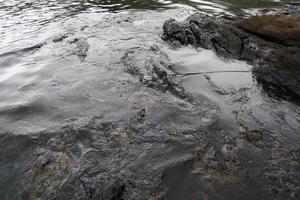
280 75
221 35
153 71
250 136
175 32
114 191
269 42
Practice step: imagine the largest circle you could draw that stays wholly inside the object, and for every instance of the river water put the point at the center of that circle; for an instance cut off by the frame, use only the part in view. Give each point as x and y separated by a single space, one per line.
73 119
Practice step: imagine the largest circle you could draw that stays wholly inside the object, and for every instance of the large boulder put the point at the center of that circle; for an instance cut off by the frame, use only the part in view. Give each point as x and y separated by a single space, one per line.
283 29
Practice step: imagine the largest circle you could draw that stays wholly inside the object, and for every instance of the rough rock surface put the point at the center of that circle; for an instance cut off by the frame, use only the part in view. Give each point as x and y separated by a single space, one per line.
283 29
269 42
155 72
159 140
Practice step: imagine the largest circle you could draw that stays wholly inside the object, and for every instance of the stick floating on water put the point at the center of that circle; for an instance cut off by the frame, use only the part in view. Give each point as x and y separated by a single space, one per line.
210 72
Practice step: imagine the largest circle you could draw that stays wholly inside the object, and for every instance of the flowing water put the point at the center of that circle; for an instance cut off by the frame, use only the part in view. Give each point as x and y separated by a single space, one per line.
65 93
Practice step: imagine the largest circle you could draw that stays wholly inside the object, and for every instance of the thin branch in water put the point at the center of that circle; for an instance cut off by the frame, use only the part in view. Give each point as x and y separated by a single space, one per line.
210 72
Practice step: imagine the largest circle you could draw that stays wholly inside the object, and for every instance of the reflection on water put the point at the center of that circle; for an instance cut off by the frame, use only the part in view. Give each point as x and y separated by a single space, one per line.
61 63
75 6
18 13
19 19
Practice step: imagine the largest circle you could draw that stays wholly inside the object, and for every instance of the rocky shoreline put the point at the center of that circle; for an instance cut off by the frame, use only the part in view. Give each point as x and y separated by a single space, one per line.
153 138
269 41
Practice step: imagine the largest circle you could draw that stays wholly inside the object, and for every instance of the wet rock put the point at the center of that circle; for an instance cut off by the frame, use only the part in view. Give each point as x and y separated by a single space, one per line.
47 172
176 32
251 136
280 73
201 30
153 71
82 47
269 42
110 159
282 165
220 164
15 153
283 29
60 38
140 115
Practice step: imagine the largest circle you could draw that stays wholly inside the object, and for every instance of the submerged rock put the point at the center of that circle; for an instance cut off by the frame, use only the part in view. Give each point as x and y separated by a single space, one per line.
269 42
152 68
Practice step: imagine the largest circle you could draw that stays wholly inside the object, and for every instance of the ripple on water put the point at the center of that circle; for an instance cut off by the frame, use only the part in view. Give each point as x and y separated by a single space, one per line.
95 119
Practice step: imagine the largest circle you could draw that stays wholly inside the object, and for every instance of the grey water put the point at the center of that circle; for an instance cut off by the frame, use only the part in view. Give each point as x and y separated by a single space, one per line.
61 65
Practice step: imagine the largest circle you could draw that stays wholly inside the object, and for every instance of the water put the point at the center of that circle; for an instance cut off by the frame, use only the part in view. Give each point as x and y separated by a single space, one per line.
21 19
65 94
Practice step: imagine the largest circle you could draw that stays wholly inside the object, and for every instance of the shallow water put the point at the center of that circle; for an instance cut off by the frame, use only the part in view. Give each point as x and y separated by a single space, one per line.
47 44
62 72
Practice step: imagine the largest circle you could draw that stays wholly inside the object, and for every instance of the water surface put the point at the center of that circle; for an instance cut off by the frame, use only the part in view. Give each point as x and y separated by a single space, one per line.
62 72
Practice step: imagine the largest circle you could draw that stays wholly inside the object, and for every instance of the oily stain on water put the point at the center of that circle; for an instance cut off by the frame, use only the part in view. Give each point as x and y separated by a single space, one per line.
90 109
